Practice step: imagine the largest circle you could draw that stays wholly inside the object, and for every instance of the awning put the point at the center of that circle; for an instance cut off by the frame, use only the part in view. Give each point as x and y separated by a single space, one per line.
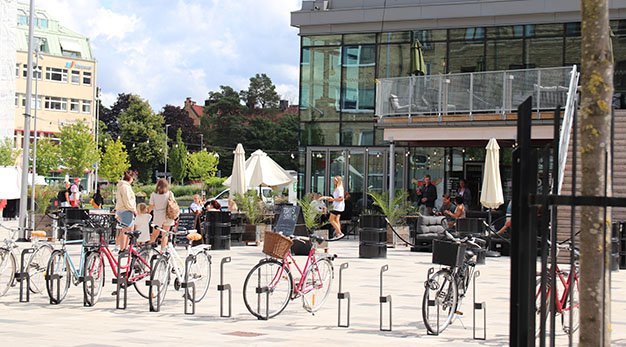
70 45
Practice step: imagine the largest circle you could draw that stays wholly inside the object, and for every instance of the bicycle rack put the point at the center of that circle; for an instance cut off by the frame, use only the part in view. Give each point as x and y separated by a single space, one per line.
341 296
430 303
260 290
24 276
56 278
225 287
478 306
121 281
382 299
189 286
151 283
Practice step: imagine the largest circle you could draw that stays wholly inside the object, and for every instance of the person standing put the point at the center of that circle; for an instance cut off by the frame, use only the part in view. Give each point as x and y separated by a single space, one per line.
125 208
338 206
465 193
427 196
64 195
75 193
158 204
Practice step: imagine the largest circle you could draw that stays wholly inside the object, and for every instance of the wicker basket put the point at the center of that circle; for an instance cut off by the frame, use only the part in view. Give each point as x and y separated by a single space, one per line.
276 245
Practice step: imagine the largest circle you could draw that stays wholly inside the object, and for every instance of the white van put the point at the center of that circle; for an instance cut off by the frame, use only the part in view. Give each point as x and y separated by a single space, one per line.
222 198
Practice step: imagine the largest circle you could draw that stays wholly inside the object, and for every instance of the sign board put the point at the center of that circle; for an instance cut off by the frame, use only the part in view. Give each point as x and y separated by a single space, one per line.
289 216
187 221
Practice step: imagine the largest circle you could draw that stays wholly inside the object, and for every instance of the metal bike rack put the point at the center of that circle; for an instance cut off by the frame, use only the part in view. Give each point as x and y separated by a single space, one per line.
225 287
151 283
382 299
341 296
55 278
259 291
478 306
24 276
430 303
189 286
122 283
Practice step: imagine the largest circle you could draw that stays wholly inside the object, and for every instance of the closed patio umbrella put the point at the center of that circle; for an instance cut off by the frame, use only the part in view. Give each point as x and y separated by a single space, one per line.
418 67
491 196
237 180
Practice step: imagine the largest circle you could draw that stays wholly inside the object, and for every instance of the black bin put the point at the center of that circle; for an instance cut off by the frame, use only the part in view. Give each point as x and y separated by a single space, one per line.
217 229
373 236
73 215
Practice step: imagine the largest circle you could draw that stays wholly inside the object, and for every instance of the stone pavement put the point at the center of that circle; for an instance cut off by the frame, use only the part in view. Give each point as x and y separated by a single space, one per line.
71 324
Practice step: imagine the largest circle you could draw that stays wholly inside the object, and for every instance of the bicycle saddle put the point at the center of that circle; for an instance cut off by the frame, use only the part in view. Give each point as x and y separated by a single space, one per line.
39 233
133 233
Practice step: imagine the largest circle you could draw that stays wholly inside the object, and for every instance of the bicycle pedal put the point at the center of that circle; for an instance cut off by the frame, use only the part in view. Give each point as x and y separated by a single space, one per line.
459 313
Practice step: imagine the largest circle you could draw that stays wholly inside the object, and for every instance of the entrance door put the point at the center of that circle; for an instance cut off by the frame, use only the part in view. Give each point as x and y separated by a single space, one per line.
474 179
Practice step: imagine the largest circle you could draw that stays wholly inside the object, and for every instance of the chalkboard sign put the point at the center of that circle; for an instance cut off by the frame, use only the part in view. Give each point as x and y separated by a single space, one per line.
289 216
187 221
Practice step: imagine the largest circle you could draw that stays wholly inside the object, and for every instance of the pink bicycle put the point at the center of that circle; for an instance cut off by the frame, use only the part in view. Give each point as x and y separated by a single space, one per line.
270 286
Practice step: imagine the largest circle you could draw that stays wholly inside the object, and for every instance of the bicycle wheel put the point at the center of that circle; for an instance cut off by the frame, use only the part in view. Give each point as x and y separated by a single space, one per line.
200 274
317 282
7 270
58 265
538 306
140 271
440 294
571 309
267 289
94 267
36 268
160 273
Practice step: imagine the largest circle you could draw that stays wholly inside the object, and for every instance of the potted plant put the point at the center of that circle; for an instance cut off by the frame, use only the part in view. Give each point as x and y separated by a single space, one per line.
395 213
254 208
313 218
43 200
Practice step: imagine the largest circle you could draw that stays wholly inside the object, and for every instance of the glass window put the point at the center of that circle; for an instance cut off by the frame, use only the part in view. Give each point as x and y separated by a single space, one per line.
430 35
318 172
338 164
375 174
22 20
54 74
356 172
572 29
17 70
86 78
86 106
43 44
435 57
544 52
504 55
545 30
359 38
75 77
505 32
43 23
357 133
321 40
619 57
55 104
319 133
358 79
399 36
572 50
466 57
17 99
36 71
394 60
74 105
70 53
467 34
320 84
359 55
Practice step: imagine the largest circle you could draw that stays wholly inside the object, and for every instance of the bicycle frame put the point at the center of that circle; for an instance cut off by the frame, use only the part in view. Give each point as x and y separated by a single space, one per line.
299 287
104 248
75 274
562 301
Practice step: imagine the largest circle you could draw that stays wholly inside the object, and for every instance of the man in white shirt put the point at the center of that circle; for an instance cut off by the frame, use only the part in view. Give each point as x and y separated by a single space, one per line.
75 193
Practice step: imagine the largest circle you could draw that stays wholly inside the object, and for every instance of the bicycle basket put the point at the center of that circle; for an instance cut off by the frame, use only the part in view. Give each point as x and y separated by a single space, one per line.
276 245
448 253
91 237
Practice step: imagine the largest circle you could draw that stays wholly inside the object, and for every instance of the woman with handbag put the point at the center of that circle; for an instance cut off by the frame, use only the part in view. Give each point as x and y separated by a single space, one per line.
165 208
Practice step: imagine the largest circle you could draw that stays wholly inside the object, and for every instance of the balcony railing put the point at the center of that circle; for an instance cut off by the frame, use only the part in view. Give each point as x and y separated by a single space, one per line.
494 92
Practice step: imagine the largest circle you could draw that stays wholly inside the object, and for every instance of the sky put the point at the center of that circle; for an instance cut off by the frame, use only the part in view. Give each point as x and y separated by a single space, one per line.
167 50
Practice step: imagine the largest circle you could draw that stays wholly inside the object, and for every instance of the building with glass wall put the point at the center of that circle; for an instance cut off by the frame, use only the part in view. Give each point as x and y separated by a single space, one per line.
347 45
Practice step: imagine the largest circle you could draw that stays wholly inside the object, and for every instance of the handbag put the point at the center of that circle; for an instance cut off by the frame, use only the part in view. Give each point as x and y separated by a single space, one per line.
172 210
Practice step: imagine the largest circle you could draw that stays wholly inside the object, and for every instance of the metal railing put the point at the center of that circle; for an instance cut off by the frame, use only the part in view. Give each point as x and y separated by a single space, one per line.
498 92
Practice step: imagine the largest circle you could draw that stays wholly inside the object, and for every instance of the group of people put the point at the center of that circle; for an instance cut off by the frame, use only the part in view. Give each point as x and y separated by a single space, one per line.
427 194
69 196
199 205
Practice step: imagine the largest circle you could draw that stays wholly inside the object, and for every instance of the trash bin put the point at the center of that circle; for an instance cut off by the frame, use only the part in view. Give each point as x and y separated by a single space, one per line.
373 236
217 229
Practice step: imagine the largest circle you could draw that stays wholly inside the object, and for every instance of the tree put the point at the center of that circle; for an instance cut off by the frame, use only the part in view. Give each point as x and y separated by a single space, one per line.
202 165
113 161
178 158
48 156
110 116
261 93
142 132
8 153
178 118
287 140
595 125
78 148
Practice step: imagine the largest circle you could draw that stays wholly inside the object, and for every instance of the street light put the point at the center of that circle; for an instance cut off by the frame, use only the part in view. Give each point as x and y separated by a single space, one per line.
166 126
38 56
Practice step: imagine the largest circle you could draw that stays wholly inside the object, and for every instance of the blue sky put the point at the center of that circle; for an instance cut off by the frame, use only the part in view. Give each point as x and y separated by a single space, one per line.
167 50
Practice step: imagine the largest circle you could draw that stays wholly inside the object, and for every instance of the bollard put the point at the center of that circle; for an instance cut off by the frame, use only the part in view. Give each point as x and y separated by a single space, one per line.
341 296
430 303
478 306
382 299
189 286
225 287
24 276
151 283
121 281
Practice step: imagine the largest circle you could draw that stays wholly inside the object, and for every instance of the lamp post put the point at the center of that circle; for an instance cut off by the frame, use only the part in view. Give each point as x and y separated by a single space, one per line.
97 132
166 177
34 175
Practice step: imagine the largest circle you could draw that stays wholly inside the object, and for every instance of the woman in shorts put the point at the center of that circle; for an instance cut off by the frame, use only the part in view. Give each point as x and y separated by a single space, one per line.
338 206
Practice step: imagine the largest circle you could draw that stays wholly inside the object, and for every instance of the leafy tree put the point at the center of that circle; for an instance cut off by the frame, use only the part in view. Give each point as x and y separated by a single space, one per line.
286 139
8 153
142 132
78 148
48 156
110 116
113 161
202 165
178 118
177 163
261 93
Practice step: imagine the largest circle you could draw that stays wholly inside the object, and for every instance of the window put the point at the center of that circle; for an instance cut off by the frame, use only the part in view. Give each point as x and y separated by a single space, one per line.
41 22
22 20
74 105
43 44
87 78
86 106
54 74
70 53
55 104
75 77
36 71
17 70
32 102
17 99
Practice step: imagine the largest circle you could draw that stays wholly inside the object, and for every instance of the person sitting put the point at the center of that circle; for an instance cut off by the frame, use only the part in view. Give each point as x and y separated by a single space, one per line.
447 206
507 225
213 205
196 205
232 206
459 212
317 203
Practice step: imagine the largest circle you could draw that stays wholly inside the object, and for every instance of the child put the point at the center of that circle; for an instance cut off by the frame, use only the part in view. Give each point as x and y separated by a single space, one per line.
142 222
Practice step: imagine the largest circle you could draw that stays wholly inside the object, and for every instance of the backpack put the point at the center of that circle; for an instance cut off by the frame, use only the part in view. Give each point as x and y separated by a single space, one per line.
61 195
172 210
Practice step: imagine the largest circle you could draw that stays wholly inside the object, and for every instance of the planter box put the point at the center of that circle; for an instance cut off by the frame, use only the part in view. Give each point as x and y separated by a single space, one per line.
402 230
255 233
44 223
323 233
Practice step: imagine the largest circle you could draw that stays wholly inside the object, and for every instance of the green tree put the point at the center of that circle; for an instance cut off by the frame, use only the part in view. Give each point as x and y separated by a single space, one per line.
177 163
8 153
78 148
143 134
202 165
48 156
113 161
261 93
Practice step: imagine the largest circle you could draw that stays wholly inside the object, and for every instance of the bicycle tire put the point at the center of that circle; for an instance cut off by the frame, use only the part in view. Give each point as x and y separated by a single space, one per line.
264 274
575 311
200 274
7 270
161 272
94 267
318 281
538 306
139 269
440 292
36 268
58 264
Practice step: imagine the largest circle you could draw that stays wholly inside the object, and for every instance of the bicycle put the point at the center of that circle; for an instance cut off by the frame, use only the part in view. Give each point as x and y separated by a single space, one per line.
272 278
35 266
446 288
199 271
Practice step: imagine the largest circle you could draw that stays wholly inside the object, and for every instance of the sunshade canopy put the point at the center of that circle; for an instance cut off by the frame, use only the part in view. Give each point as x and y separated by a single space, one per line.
491 195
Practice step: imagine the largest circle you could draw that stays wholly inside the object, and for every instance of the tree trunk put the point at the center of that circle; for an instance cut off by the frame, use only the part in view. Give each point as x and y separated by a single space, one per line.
595 111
